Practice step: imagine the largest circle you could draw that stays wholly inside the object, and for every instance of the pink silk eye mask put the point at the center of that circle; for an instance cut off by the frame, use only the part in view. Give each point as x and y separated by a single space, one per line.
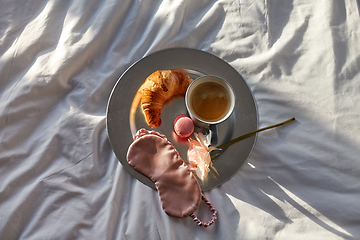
154 156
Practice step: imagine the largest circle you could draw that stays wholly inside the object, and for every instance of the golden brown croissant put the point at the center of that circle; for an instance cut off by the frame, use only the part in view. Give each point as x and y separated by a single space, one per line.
158 88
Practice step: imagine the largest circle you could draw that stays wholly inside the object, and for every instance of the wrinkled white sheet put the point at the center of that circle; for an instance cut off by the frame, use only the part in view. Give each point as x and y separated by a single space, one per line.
59 60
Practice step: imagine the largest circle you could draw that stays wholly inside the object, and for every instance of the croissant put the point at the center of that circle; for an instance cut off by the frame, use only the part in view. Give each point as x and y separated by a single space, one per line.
159 87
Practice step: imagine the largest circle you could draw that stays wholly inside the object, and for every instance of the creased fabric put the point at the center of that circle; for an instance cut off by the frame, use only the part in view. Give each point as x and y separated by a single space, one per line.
59 60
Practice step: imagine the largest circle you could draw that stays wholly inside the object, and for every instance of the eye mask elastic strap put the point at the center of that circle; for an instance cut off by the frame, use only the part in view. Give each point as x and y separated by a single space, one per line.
212 209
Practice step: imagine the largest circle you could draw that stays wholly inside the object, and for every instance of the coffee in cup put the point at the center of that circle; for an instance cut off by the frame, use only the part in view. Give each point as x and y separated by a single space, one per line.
209 100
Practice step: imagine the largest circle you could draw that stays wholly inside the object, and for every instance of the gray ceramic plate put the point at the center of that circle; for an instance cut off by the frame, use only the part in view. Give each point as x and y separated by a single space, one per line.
122 123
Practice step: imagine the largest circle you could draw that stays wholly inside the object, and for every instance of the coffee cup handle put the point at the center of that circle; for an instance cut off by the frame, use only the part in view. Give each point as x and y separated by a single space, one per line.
214 138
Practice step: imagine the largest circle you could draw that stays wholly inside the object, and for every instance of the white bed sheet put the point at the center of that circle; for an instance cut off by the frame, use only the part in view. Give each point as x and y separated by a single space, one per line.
59 60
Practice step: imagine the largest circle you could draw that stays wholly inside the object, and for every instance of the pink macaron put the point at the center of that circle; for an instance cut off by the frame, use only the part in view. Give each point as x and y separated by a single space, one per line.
183 126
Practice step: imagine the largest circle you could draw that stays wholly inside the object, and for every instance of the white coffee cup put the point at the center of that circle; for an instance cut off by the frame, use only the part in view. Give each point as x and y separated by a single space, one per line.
209 100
